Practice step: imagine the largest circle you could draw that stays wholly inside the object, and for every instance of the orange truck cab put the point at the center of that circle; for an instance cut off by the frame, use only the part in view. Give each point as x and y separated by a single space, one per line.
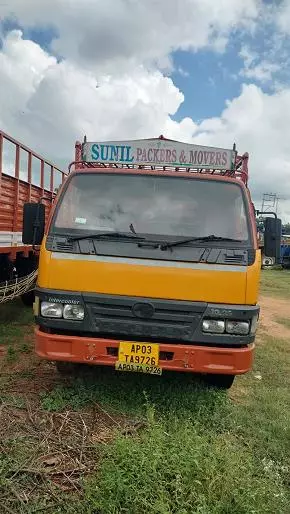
150 261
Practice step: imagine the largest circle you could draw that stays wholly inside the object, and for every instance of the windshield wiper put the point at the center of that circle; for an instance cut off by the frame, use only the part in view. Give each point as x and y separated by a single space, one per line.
180 242
107 235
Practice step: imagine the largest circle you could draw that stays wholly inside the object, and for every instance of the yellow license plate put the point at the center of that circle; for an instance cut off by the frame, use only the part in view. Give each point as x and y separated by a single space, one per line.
139 368
140 357
146 354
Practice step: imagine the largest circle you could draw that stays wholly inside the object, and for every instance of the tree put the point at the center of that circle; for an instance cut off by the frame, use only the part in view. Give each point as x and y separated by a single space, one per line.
286 228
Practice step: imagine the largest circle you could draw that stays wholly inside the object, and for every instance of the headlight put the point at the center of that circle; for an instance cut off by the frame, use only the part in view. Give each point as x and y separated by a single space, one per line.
51 310
213 326
238 327
254 324
73 312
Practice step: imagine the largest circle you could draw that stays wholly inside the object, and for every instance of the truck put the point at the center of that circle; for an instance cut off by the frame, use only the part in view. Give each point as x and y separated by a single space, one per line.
25 176
149 261
285 251
283 256
266 260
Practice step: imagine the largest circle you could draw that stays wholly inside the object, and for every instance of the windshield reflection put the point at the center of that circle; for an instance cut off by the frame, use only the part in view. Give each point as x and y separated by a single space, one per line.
162 206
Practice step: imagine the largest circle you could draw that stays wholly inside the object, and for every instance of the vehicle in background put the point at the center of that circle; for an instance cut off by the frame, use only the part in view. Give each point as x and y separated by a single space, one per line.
285 251
283 257
150 261
24 177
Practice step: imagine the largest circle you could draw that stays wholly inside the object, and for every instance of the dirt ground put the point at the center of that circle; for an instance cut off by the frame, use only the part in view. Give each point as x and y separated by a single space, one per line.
273 309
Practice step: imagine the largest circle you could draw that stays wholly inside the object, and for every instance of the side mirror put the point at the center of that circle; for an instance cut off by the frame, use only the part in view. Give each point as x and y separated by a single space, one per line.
33 223
272 238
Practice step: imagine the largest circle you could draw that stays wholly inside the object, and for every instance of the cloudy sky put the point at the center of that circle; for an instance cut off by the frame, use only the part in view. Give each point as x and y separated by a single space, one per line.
206 71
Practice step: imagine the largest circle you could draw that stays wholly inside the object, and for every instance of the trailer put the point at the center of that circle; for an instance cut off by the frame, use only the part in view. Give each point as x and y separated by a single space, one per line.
25 176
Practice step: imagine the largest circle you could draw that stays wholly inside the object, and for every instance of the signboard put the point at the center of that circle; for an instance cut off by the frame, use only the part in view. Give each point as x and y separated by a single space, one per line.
158 152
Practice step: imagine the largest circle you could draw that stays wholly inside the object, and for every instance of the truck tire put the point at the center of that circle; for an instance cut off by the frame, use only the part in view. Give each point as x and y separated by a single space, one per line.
28 299
67 368
219 381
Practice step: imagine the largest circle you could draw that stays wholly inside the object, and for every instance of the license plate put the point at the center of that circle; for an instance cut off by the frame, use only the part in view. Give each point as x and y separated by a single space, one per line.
138 368
140 357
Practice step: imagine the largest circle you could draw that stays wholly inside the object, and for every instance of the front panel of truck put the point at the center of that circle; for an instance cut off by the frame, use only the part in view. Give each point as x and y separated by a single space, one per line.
169 261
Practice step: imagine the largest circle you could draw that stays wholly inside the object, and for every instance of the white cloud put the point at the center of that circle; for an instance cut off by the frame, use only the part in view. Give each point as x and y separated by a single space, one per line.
283 17
258 123
261 70
49 104
114 35
116 94
266 55
22 67
182 72
248 55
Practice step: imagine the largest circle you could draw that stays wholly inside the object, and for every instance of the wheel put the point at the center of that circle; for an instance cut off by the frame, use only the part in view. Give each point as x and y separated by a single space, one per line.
67 368
219 381
267 262
28 299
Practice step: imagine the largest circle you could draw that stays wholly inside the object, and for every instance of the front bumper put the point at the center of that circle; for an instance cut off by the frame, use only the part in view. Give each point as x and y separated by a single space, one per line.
175 357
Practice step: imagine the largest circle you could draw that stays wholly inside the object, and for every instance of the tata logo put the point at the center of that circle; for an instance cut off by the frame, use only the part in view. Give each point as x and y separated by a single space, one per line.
143 310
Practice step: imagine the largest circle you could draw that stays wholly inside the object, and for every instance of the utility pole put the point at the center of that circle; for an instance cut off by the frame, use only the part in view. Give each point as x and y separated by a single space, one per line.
270 202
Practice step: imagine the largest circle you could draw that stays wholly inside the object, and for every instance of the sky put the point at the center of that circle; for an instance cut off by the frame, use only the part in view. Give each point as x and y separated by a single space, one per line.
211 72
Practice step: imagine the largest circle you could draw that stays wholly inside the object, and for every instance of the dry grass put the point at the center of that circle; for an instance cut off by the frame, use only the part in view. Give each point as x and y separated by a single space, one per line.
47 455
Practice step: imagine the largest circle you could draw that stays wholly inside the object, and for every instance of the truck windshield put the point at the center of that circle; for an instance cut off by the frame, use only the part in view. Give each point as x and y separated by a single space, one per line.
158 206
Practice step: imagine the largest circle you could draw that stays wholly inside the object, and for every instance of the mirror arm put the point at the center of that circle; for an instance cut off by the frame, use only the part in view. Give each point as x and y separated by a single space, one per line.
266 212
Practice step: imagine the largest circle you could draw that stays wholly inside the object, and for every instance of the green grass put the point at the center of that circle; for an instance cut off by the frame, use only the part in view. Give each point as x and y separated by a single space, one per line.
126 393
275 282
284 321
15 313
13 400
200 451
11 354
183 469
195 450
15 323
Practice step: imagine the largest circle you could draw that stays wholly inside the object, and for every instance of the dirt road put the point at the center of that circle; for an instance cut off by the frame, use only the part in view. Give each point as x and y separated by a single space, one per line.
273 312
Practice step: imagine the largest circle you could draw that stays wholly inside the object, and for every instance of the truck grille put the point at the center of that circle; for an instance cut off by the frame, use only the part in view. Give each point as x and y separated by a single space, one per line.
136 318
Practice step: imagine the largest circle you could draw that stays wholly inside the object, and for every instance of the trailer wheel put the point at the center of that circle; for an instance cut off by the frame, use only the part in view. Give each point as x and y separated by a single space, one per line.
219 381
67 368
28 299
